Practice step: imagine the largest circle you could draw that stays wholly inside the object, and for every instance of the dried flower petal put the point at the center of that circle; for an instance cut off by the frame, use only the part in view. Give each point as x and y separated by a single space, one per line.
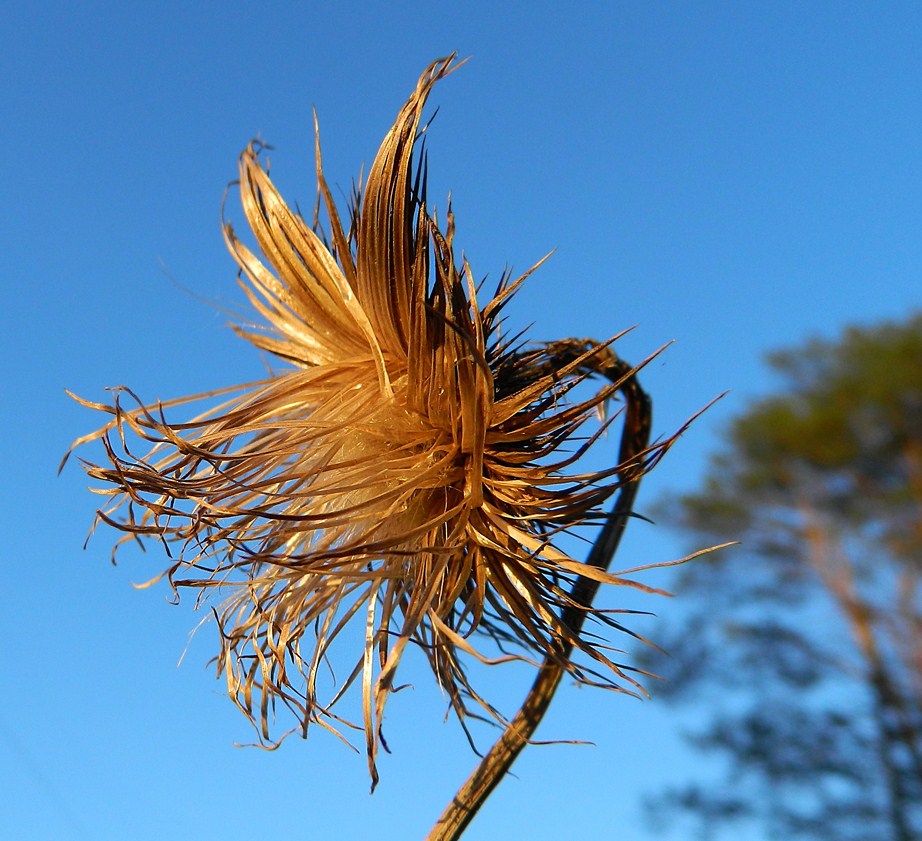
404 480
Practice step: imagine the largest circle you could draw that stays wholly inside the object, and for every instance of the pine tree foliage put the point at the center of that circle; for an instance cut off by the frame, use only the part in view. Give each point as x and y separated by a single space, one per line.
806 640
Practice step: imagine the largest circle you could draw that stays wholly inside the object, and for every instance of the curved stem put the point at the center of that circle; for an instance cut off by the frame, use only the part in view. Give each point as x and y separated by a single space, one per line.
635 438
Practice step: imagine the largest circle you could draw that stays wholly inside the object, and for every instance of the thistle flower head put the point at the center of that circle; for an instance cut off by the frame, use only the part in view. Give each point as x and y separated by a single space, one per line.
405 478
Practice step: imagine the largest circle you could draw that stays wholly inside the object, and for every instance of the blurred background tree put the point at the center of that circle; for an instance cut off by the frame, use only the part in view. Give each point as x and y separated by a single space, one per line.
805 642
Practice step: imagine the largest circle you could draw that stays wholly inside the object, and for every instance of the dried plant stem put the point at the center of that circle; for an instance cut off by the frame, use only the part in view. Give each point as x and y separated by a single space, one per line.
635 438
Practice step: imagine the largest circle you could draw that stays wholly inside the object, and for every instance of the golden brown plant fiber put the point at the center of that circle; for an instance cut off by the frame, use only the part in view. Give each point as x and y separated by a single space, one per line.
404 478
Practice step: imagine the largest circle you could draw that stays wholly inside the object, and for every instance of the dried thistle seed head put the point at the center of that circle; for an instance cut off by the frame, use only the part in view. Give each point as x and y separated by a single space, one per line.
404 479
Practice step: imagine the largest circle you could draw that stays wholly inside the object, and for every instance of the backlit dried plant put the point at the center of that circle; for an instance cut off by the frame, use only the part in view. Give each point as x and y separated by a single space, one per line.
405 479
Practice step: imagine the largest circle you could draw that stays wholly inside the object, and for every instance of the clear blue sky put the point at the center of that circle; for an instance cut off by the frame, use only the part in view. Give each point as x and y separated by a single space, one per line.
731 176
